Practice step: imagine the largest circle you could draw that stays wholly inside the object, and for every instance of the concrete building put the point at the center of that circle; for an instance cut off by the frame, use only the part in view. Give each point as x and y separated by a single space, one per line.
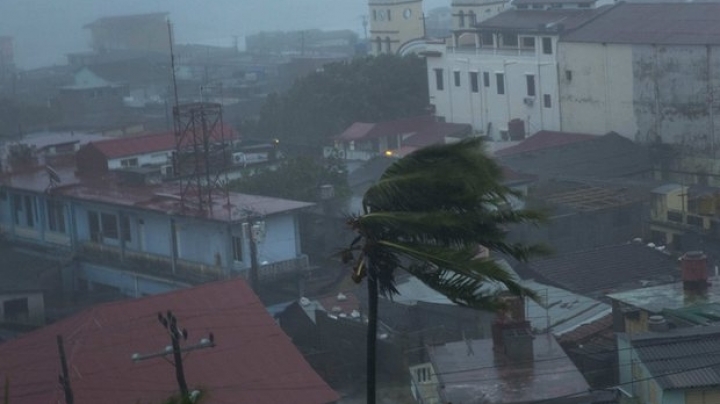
141 238
467 13
393 23
502 69
139 32
647 71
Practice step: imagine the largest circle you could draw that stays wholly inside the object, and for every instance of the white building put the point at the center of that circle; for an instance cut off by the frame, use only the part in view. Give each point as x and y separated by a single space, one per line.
503 70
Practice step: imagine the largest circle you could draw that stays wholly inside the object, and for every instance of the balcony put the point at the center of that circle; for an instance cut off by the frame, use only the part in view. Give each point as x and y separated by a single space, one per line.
465 50
187 271
681 220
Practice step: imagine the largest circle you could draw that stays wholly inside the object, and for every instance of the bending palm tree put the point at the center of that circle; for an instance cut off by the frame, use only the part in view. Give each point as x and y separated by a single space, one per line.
427 215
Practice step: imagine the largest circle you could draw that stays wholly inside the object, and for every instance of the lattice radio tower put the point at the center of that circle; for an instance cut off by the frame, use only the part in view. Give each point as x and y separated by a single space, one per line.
202 153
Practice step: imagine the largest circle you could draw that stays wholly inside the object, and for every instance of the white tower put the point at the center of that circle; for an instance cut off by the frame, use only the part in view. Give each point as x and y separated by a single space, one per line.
394 23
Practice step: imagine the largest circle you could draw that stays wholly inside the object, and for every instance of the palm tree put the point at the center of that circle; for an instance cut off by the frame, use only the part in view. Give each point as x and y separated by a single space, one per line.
428 214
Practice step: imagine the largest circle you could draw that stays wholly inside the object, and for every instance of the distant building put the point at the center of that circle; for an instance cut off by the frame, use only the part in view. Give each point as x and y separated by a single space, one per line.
139 32
7 58
393 23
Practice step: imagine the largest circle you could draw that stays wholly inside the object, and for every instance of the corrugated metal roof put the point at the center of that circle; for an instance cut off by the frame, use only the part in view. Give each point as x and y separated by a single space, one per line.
682 360
542 140
546 21
253 362
681 23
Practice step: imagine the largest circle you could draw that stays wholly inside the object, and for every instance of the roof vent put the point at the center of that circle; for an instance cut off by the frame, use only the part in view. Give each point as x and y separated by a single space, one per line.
341 297
657 323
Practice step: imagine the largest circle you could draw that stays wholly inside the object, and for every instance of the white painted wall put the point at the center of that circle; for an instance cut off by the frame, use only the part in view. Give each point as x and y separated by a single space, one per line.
458 104
155 158
598 98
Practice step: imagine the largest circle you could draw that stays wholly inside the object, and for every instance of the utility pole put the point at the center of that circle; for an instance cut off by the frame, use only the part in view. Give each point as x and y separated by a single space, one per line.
254 266
169 321
64 378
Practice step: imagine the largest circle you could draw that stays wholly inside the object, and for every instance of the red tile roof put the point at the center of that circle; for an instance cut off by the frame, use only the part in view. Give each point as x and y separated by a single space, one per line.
424 129
155 142
253 362
542 140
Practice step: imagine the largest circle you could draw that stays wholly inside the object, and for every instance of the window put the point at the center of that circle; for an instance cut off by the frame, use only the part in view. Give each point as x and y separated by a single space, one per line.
56 216
109 226
133 162
509 40
674 217
29 211
456 78
474 82
461 16
486 79
694 220
94 226
16 310
389 15
378 45
547 46
568 75
486 39
387 45
237 244
473 18
547 101
439 85
528 42
374 15
530 81
500 79
17 208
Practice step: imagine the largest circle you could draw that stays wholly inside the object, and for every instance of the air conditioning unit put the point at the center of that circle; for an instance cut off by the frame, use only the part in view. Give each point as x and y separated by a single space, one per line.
529 101
239 158
167 170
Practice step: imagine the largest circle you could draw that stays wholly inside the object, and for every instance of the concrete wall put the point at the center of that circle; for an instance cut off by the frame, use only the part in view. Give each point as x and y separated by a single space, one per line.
35 303
487 111
596 88
645 92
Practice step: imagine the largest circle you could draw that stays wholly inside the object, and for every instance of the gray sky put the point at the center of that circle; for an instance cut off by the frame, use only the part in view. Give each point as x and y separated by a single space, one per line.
45 30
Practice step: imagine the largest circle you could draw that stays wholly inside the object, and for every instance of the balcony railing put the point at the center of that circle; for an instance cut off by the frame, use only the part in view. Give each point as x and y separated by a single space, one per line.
492 51
192 272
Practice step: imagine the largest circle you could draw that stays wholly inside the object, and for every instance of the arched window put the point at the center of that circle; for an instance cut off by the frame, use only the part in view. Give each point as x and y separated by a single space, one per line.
461 17
472 17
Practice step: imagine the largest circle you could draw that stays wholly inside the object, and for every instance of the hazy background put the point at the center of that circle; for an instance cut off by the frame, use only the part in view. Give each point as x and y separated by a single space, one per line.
45 30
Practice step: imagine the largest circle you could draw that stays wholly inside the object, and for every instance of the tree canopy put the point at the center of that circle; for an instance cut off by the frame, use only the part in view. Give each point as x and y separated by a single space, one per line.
324 103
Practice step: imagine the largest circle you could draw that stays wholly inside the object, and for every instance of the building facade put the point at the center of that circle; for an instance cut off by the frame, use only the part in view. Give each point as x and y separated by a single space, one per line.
393 23
502 69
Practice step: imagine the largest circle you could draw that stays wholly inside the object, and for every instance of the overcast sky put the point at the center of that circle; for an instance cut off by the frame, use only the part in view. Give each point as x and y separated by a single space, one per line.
45 30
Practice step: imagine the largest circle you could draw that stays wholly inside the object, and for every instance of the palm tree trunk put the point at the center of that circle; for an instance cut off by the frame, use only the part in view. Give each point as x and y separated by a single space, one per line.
371 334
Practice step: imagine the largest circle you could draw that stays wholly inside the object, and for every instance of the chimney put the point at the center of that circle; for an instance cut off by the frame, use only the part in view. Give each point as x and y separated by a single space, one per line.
511 331
694 271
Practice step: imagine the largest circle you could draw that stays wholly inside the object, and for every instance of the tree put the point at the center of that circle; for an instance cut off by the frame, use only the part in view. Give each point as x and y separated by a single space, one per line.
297 178
427 215
324 103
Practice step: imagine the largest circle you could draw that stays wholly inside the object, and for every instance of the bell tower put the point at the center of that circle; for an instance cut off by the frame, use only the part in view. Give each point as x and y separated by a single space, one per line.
394 23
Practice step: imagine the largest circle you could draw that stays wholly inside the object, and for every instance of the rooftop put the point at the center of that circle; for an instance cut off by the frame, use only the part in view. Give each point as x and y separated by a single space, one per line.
682 358
126 19
150 143
672 296
468 377
606 269
164 198
606 156
421 130
680 23
549 21
256 363
542 140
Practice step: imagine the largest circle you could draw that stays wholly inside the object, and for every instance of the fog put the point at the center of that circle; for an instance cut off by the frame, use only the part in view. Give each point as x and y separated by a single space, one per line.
45 30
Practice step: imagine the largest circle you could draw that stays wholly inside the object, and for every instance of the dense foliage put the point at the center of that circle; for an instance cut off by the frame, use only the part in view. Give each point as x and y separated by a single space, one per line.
326 102
17 118
296 178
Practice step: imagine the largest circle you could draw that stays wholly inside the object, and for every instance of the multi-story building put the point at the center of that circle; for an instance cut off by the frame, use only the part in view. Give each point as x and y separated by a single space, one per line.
393 23
146 237
502 69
